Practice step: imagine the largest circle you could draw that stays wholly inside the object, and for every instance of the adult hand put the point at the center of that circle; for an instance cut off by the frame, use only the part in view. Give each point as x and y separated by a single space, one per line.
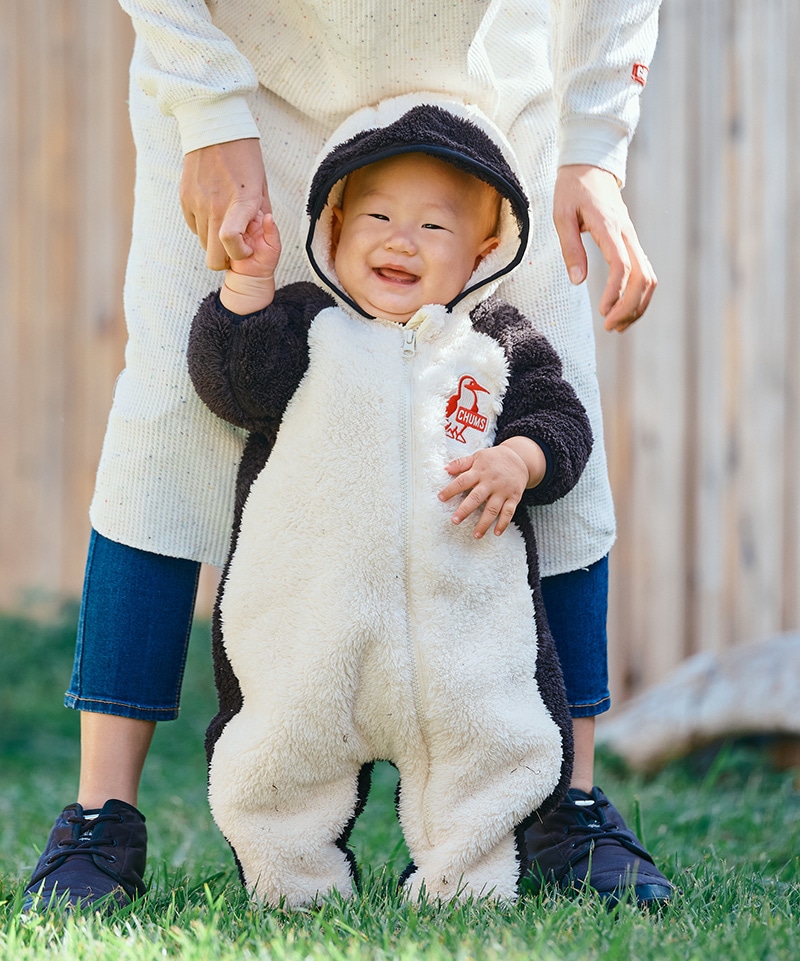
589 199
224 187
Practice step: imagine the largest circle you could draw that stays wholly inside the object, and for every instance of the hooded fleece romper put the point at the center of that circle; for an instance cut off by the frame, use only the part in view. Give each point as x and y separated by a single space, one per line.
354 621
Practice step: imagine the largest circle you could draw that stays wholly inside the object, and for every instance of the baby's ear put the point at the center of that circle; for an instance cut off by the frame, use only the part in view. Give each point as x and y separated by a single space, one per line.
486 248
336 228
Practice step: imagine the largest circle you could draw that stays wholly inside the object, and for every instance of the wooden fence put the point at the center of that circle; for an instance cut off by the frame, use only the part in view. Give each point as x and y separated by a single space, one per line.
701 398
66 182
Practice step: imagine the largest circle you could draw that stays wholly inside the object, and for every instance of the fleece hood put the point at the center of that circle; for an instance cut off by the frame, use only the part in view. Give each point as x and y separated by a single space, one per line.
457 133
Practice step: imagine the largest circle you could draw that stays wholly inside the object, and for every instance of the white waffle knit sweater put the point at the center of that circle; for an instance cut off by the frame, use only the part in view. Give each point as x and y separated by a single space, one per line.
557 77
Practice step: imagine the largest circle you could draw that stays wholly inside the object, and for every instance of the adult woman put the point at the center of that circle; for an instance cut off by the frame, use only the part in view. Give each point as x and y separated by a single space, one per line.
217 89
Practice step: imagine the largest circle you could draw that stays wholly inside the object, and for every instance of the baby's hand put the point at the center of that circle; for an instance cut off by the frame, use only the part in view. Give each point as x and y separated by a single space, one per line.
495 477
262 235
250 283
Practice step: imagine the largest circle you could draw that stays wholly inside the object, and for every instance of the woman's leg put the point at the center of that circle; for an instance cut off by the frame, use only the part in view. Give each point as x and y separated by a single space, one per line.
583 764
577 608
133 633
113 752
585 841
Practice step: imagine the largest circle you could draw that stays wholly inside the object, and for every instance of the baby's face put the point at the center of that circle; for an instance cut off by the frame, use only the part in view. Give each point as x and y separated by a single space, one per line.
411 230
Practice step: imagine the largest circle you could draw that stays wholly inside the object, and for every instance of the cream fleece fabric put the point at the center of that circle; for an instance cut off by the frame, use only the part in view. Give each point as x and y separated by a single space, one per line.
290 72
362 624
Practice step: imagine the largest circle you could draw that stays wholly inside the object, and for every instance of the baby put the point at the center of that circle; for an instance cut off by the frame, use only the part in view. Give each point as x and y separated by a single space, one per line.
358 617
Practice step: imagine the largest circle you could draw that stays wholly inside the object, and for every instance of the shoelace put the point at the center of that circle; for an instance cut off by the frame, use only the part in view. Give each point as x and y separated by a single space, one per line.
592 825
85 843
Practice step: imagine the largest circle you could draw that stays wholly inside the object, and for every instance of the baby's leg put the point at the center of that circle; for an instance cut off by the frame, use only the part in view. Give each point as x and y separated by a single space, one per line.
460 814
286 816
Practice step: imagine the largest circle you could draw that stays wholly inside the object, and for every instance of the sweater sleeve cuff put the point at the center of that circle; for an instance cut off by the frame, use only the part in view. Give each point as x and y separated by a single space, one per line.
205 123
594 141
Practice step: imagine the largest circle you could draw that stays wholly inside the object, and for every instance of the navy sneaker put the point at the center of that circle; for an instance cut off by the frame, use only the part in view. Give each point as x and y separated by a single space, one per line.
90 856
586 843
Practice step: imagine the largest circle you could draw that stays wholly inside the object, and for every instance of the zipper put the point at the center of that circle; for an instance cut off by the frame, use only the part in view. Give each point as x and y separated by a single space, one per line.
409 351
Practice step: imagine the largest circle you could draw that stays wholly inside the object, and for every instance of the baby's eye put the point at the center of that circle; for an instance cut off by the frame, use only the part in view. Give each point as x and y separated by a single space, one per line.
432 227
379 216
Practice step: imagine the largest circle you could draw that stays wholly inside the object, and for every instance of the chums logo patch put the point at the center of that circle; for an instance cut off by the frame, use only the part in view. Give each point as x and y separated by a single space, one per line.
462 413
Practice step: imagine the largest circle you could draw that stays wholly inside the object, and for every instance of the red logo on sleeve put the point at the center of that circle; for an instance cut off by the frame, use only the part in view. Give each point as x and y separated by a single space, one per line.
462 411
639 73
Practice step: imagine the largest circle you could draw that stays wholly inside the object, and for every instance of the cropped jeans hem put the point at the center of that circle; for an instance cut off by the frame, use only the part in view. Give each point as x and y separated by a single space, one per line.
590 710
139 712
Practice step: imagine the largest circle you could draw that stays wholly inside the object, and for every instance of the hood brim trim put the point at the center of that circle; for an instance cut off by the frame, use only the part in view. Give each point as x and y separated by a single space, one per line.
457 134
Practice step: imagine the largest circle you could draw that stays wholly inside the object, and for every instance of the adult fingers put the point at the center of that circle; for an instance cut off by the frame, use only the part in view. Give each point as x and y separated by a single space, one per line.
233 229
216 256
604 226
568 226
588 199
638 292
223 186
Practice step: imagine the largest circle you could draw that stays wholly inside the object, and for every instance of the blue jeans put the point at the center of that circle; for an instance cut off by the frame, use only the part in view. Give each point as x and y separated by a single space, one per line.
577 606
133 632
136 614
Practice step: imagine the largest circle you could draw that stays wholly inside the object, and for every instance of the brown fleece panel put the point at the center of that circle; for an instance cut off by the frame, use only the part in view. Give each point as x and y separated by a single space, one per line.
548 668
246 369
538 403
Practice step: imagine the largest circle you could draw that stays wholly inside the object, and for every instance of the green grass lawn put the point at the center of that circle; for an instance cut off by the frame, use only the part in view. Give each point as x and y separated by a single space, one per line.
724 826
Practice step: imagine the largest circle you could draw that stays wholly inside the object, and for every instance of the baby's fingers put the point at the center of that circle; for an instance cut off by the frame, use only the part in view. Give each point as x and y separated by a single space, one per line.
498 512
463 479
460 464
471 502
504 517
488 516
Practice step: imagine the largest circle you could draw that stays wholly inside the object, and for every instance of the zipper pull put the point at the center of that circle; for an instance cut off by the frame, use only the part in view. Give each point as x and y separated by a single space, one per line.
409 341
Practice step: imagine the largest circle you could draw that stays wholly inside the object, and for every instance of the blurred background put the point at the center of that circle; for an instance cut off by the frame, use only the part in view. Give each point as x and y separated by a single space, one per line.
701 398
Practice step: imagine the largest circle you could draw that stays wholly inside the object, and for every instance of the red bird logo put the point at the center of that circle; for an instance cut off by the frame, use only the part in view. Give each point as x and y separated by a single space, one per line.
462 409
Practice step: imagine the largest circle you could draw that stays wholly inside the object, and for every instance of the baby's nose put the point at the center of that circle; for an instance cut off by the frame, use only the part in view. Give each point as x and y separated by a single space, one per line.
401 239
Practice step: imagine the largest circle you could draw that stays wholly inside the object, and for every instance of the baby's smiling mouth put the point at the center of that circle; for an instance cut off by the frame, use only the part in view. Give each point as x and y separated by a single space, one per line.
396 275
